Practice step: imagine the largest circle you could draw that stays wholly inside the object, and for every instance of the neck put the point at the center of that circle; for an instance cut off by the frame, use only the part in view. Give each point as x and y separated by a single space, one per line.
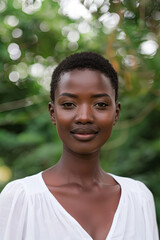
83 169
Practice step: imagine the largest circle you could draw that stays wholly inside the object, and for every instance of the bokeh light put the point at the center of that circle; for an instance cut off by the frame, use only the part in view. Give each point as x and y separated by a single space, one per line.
17 32
31 6
5 174
149 47
44 27
36 70
110 21
74 9
73 36
84 27
14 51
11 20
2 6
14 76
73 46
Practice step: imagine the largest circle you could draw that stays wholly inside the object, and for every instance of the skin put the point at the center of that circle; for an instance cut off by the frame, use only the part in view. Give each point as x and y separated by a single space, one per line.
84 113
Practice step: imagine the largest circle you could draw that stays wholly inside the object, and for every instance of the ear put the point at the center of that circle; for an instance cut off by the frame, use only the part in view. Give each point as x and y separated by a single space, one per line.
118 109
52 112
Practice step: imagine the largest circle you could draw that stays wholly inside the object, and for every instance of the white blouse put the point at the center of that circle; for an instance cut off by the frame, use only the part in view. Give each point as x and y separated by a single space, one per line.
28 211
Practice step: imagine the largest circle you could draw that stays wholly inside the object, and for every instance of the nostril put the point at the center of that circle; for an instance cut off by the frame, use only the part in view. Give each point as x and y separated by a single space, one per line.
84 122
84 119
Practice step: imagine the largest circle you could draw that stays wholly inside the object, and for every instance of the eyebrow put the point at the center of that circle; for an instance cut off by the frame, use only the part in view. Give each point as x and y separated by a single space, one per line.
93 96
100 95
69 95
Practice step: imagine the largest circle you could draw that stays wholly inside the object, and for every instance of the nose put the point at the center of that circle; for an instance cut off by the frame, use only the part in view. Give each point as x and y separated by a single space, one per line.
84 114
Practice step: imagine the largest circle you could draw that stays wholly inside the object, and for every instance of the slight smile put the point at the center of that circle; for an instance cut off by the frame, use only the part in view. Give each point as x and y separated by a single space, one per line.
83 134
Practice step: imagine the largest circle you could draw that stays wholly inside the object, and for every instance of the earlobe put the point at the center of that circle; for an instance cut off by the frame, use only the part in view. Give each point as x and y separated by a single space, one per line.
118 109
52 112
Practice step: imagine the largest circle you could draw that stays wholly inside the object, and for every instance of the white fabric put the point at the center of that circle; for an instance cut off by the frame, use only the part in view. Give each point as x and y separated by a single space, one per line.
28 211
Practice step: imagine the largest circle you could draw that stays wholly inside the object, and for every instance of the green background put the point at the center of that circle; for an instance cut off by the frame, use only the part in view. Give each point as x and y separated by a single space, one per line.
34 37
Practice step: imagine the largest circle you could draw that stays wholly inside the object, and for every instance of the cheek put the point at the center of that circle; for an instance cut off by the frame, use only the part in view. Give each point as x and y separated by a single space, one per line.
107 120
61 131
62 117
106 125
63 121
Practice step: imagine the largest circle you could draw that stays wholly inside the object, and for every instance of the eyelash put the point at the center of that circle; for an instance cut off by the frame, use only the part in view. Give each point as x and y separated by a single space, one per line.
68 105
100 105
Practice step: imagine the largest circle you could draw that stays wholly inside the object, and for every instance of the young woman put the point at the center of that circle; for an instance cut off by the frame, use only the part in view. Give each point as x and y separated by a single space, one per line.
76 199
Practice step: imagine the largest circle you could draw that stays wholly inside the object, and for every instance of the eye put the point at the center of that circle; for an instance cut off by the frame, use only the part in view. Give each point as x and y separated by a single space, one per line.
68 105
101 105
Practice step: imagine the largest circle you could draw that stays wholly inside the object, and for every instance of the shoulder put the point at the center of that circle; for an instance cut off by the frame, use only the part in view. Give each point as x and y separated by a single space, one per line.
17 197
138 205
16 201
12 189
134 187
21 188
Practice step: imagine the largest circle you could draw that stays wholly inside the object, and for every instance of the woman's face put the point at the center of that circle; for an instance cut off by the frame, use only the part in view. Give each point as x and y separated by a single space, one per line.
84 110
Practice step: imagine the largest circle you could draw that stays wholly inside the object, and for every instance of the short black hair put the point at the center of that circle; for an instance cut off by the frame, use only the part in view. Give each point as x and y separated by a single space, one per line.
84 60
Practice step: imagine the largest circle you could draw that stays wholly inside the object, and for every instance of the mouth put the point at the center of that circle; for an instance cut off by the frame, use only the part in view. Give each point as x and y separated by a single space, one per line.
84 134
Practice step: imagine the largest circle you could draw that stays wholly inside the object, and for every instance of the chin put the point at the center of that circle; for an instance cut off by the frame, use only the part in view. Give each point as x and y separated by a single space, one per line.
83 150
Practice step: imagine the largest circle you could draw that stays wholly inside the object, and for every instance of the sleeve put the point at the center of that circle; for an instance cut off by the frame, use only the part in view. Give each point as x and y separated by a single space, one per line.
13 206
149 212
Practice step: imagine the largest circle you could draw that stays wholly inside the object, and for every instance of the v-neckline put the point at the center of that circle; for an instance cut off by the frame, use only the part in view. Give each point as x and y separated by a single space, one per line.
74 221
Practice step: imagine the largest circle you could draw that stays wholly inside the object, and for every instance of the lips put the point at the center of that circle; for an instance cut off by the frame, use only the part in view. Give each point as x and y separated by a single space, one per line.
84 134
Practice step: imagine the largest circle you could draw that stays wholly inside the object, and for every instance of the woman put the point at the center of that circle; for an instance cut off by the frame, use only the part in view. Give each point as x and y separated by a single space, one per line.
76 199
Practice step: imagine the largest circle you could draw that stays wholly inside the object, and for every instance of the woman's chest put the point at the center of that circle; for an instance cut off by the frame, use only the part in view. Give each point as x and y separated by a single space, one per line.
93 212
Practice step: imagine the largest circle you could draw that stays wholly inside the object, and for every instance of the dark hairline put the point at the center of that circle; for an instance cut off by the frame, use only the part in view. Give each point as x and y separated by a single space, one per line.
82 61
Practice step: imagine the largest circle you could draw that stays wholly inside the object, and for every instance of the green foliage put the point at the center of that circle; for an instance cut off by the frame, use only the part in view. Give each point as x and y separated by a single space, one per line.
31 45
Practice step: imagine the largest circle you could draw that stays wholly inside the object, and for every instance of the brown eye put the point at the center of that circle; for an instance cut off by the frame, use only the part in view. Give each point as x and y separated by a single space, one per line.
68 105
101 105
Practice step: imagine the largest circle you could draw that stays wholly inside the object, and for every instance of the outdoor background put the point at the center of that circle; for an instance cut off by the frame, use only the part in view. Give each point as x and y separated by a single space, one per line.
34 37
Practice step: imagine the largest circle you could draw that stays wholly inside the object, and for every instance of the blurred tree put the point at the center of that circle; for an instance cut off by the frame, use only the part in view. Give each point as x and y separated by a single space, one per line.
35 36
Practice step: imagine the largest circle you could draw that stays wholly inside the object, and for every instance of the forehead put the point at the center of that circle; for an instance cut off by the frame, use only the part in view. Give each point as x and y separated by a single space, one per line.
85 81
